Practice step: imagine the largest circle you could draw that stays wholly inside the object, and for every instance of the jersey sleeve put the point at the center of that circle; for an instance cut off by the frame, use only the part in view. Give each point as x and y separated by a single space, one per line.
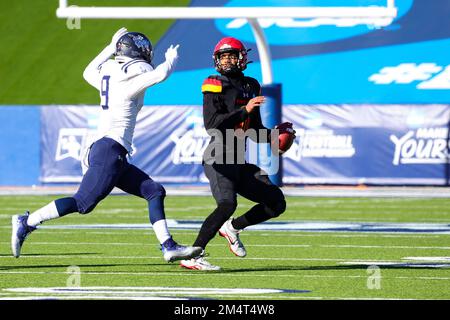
92 73
212 85
145 80
215 113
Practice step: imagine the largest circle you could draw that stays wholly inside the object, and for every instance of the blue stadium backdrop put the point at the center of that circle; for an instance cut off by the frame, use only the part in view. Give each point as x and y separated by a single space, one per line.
369 105
339 144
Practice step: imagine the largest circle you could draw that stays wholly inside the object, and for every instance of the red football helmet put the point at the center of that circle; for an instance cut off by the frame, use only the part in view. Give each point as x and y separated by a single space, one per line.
230 44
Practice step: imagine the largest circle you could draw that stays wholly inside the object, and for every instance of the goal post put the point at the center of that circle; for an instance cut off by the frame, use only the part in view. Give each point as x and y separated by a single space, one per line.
372 15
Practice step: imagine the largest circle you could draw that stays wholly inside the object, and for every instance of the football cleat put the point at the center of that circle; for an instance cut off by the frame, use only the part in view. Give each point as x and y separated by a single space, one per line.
172 251
232 235
199 263
20 231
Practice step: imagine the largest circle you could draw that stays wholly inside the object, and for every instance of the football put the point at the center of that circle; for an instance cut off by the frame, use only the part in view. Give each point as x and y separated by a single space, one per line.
286 136
285 141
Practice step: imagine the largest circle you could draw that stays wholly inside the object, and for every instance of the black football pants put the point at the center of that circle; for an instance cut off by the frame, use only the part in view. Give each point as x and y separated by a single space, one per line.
247 180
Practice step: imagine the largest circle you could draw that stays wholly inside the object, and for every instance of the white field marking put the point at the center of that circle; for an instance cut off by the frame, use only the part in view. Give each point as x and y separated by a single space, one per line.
434 220
57 233
87 243
395 220
349 235
81 256
284 226
256 245
311 226
160 257
5 216
398 264
384 247
255 233
146 291
339 260
424 278
193 208
215 274
428 259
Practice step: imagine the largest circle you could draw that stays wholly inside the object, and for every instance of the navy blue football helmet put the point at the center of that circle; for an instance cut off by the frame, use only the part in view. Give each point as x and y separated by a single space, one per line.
135 45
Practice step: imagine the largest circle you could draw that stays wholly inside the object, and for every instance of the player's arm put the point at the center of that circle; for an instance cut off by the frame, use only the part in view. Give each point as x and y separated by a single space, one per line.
215 118
92 72
145 80
215 113
254 105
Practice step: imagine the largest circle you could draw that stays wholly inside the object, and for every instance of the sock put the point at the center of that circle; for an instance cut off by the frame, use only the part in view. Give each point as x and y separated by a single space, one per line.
161 230
46 213
53 210
158 218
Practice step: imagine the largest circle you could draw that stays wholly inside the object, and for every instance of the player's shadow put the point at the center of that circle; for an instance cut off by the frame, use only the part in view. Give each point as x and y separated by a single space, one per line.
333 267
50 254
56 266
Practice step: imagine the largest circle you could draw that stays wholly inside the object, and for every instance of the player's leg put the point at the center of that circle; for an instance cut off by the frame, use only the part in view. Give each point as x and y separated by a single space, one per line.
106 159
136 182
222 182
256 186
270 204
222 179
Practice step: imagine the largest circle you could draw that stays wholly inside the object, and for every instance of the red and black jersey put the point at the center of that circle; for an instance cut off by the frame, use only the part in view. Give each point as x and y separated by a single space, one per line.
224 101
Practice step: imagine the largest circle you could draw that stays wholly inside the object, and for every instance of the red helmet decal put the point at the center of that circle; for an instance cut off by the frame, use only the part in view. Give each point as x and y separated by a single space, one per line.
228 43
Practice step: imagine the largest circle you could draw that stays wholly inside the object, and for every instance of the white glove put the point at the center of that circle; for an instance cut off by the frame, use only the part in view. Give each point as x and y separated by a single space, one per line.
172 53
117 36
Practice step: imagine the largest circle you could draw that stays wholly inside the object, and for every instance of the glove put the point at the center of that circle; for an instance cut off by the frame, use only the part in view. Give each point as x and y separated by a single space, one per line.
172 53
119 33
286 137
285 127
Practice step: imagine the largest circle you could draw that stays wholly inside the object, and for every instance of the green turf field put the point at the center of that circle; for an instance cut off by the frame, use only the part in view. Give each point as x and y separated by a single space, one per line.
126 263
43 60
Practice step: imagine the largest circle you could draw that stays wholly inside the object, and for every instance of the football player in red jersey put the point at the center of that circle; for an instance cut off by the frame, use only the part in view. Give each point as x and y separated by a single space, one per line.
231 102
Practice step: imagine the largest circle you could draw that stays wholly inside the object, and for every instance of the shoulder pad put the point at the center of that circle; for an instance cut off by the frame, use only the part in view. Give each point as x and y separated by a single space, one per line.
253 82
212 84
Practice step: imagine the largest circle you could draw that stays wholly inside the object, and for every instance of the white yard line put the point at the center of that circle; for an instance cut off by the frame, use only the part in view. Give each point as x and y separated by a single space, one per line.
150 232
81 256
57 243
385 247
214 274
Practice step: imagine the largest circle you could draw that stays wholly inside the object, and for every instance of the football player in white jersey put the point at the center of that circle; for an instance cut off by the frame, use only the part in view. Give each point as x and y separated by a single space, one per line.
122 82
